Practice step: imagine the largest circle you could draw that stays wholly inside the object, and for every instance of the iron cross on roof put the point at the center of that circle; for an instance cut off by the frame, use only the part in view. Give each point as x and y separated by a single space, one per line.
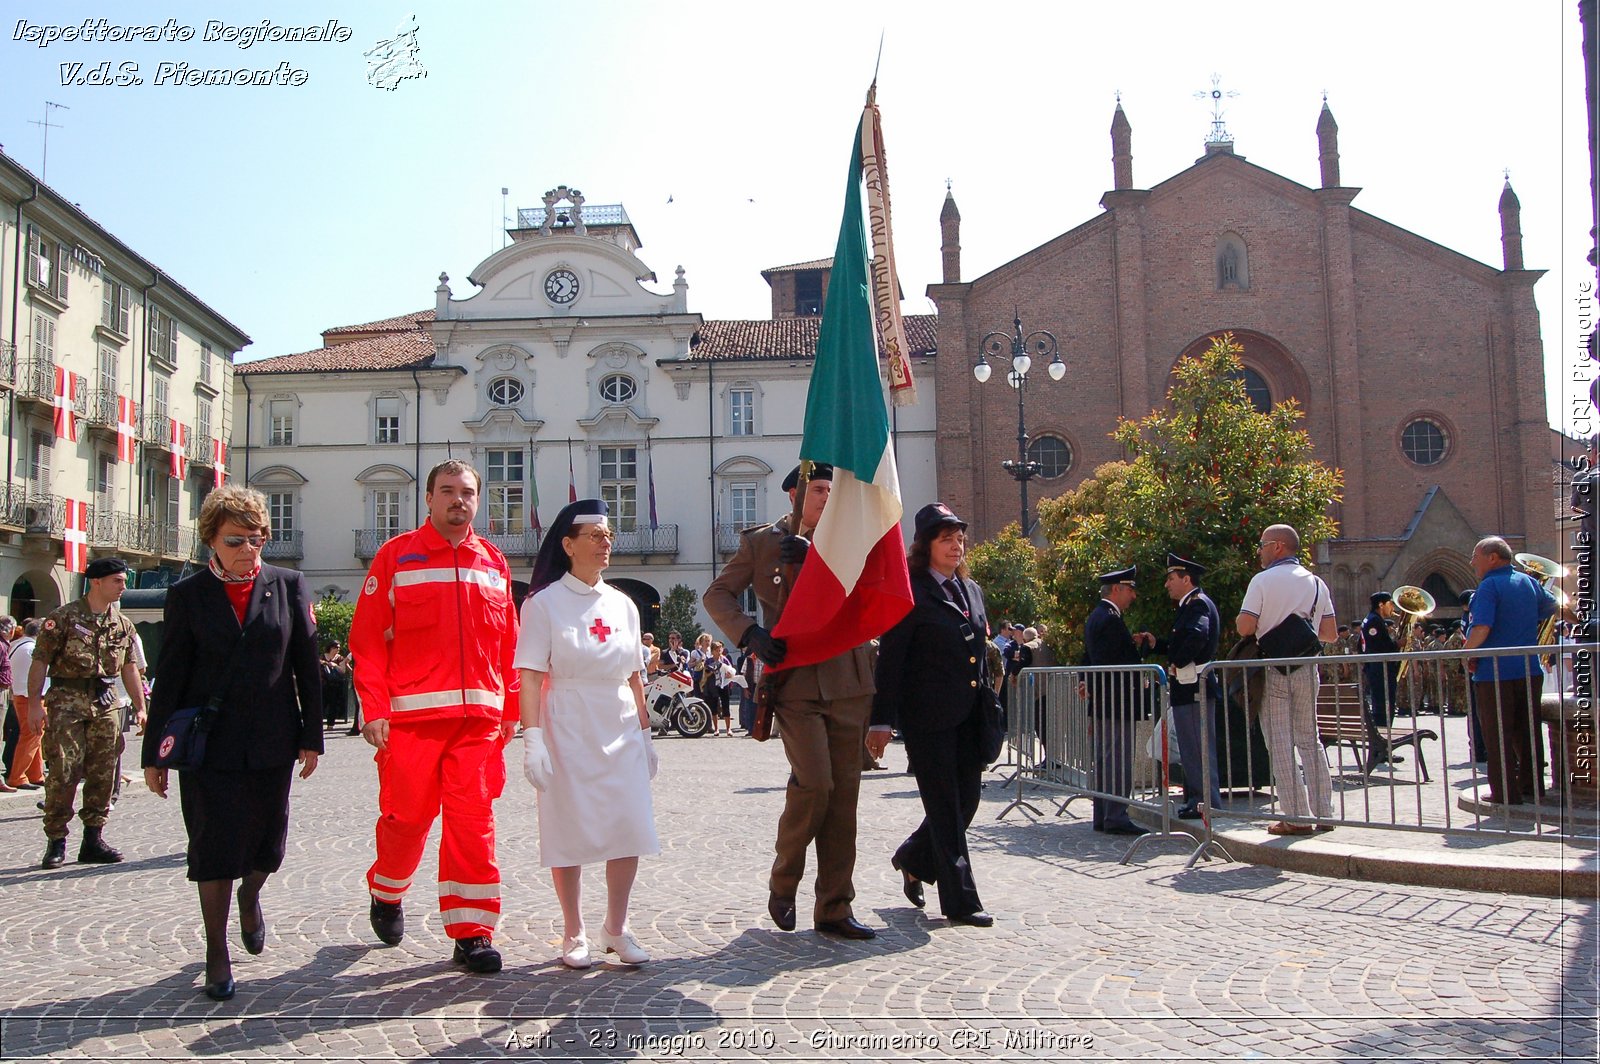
1219 132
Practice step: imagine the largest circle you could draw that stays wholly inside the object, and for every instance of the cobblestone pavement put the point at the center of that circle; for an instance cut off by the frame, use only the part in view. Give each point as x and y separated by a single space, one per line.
1089 960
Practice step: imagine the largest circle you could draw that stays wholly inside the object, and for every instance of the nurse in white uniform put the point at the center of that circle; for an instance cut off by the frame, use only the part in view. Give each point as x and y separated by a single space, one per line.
586 732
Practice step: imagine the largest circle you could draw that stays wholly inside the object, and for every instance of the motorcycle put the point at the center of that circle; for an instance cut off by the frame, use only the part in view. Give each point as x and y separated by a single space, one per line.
671 706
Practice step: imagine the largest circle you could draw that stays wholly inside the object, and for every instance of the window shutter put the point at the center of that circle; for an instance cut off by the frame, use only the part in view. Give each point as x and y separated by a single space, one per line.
35 259
61 272
125 310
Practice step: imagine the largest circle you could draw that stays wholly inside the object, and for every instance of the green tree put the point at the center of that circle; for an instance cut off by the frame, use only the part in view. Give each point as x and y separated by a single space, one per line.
1007 568
333 620
677 615
1205 476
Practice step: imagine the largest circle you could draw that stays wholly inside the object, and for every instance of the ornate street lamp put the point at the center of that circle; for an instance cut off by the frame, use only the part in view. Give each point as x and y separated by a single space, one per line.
1042 345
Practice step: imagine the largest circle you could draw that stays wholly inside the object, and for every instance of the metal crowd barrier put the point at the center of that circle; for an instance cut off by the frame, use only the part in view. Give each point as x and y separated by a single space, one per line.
1413 771
1081 731
1351 768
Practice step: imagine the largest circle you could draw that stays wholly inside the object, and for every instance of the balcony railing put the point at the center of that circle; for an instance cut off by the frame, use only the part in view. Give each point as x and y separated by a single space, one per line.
156 431
8 364
44 514
368 540
37 383
727 537
13 500
202 449
102 411
663 539
524 544
290 545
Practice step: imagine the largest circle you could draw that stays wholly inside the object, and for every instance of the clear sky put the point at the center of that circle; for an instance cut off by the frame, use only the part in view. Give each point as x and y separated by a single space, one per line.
724 129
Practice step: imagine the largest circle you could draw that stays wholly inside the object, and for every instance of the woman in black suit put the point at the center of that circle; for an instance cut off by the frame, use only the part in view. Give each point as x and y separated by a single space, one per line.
243 633
932 668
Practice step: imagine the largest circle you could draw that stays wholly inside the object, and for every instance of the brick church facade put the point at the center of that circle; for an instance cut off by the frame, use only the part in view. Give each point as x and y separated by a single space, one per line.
1420 370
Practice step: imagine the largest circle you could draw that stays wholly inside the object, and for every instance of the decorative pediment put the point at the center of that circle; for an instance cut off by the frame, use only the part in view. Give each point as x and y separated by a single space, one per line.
617 423
277 475
504 423
384 473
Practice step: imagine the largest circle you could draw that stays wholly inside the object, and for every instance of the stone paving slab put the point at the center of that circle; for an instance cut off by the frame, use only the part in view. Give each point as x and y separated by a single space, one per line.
1090 959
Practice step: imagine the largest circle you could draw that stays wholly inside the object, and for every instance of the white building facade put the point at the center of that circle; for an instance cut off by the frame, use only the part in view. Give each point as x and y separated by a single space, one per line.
563 373
93 333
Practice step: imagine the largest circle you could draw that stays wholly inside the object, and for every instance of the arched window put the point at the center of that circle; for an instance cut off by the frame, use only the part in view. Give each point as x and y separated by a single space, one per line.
618 388
1424 441
1053 454
1255 386
1233 263
505 391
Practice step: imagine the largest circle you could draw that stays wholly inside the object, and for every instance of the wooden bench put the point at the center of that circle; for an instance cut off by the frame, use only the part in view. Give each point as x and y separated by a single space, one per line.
1342 721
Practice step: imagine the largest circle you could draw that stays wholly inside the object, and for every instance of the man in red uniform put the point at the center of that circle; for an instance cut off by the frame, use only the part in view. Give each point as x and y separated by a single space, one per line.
434 633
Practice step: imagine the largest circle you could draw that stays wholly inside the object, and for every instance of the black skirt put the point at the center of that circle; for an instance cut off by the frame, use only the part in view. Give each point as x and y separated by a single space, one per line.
237 819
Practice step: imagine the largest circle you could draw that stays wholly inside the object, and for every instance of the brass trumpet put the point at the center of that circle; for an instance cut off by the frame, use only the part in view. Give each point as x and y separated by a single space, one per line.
1547 571
1416 604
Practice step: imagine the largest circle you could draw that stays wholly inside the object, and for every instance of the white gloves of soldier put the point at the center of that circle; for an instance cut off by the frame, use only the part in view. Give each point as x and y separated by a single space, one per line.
536 759
647 737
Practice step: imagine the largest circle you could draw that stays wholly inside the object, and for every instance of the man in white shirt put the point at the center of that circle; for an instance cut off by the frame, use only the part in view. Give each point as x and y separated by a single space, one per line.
1283 588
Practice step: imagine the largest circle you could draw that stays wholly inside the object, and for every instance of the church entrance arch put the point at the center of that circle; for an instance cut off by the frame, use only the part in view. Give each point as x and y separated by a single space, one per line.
645 597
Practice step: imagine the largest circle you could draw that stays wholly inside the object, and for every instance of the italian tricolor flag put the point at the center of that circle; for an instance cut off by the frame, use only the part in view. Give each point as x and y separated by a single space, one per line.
854 585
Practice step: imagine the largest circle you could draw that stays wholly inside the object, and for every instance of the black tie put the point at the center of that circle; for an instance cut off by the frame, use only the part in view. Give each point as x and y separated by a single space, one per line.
959 597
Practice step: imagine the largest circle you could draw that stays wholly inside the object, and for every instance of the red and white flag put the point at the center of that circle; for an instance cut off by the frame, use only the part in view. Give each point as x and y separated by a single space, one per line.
75 540
127 429
180 448
65 395
219 461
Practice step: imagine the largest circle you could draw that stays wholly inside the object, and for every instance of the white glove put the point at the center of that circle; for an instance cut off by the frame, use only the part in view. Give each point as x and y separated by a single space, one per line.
536 759
650 751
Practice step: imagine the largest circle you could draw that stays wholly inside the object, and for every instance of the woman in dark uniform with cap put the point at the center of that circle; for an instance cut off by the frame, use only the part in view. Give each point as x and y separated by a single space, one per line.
932 667
242 633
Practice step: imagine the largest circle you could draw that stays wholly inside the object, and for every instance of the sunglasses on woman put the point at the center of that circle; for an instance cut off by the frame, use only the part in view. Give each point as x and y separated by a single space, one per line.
235 542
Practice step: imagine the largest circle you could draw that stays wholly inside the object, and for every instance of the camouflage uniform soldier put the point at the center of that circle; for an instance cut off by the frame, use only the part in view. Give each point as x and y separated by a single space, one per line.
83 647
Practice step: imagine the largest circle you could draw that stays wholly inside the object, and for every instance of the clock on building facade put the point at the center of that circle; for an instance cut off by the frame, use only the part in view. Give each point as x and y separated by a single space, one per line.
561 286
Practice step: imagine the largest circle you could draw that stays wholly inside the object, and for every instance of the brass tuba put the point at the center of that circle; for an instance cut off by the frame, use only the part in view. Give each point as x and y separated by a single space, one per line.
1416 604
1547 571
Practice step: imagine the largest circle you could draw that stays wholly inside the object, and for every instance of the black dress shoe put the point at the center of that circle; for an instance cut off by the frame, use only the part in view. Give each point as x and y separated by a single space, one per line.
1190 813
1126 829
254 941
849 927
388 921
981 918
781 910
911 885
221 990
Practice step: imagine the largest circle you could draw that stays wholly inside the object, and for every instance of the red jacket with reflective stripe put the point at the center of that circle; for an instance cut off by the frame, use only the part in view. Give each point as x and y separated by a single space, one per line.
435 631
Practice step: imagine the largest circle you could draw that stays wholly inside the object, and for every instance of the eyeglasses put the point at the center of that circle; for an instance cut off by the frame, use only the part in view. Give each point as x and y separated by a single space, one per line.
599 535
235 542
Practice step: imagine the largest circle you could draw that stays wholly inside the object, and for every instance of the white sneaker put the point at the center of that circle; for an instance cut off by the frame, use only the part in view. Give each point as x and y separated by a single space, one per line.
575 952
624 945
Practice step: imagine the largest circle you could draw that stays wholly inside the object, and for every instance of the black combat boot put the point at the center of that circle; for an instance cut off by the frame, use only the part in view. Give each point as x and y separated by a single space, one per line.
55 853
93 849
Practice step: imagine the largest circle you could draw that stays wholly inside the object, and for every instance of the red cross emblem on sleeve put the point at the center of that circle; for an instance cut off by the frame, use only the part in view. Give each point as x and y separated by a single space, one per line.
599 630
